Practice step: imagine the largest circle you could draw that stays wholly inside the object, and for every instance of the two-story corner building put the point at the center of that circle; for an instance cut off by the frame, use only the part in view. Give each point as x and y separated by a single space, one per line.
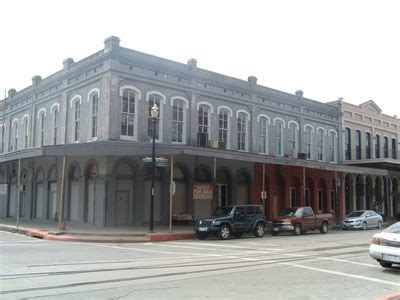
79 137
371 139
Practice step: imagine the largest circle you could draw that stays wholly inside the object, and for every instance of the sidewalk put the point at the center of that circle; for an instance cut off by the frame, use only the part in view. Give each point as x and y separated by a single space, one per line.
48 230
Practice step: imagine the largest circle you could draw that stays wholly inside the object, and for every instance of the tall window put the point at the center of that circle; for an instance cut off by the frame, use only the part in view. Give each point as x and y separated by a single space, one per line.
55 125
394 149
203 129
15 136
293 199
2 138
332 147
293 136
378 146
128 113
347 144
178 121
223 128
279 138
77 120
386 147
154 99
241 131
41 129
308 141
307 197
26 132
358 144
263 135
368 145
320 200
94 114
320 144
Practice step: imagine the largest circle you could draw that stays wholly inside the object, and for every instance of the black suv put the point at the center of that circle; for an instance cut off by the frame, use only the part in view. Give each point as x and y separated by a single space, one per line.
236 220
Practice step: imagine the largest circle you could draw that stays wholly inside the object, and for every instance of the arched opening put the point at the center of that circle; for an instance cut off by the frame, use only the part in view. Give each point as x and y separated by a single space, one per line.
395 199
157 194
369 191
360 192
42 208
378 188
294 192
23 206
322 197
74 175
91 173
348 193
224 187
279 196
122 206
202 201
309 193
180 196
52 192
12 199
243 187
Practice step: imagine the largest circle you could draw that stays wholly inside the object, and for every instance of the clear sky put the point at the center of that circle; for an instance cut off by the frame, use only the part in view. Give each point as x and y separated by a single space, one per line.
328 49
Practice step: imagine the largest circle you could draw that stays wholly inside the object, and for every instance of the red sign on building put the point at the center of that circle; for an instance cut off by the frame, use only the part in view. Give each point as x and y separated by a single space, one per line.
202 191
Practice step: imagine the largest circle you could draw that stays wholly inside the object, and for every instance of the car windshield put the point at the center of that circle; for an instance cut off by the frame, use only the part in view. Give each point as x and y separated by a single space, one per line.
395 228
357 213
290 212
221 211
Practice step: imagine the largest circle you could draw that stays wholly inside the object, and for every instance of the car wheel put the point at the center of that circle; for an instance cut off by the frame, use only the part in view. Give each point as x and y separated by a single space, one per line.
324 228
201 235
224 232
297 229
259 230
238 235
385 264
379 224
274 233
364 226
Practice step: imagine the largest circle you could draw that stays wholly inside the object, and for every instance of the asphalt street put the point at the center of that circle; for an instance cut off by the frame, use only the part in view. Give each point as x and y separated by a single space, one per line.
312 266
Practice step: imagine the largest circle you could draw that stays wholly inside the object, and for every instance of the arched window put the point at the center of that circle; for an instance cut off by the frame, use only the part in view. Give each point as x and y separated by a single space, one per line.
26 131
2 130
293 136
394 149
178 121
41 123
128 112
55 125
321 143
308 138
223 129
203 129
77 120
386 147
242 131
14 144
154 99
358 144
94 114
263 122
332 147
347 144
367 145
377 146
279 137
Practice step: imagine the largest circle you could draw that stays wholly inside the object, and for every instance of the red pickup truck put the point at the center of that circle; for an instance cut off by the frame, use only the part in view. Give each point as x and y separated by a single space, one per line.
300 219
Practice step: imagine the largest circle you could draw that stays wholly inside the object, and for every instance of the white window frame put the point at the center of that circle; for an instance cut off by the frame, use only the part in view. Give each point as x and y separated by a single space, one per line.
3 130
321 133
226 110
14 136
294 141
206 110
185 108
333 148
76 132
90 99
306 144
41 115
241 112
260 119
160 118
25 125
138 97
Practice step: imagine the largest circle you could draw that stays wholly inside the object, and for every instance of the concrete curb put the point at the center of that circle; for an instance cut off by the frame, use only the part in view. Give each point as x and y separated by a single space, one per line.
96 238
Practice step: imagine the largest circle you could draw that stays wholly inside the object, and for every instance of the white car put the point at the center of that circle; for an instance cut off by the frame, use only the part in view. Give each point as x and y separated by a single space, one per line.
385 246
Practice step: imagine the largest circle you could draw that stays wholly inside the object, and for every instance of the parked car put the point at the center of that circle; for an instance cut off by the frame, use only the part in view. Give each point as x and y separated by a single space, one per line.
385 246
298 220
362 219
232 220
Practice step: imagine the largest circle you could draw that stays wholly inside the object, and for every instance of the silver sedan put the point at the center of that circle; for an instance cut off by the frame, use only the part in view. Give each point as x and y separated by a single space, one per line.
362 219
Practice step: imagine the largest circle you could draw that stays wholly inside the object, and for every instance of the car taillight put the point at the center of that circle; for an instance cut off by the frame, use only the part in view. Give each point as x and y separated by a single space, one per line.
379 241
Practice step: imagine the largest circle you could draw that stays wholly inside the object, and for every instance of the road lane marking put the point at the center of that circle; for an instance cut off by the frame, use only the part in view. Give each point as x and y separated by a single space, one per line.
397 284
221 245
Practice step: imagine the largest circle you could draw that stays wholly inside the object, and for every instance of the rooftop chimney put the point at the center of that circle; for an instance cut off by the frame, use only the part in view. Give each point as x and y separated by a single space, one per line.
111 43
192 63
299 93
35 80
252 80
11 93
340 99
67 63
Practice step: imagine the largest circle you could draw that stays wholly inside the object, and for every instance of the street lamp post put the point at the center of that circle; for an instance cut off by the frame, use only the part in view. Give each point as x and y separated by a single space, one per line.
154 115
